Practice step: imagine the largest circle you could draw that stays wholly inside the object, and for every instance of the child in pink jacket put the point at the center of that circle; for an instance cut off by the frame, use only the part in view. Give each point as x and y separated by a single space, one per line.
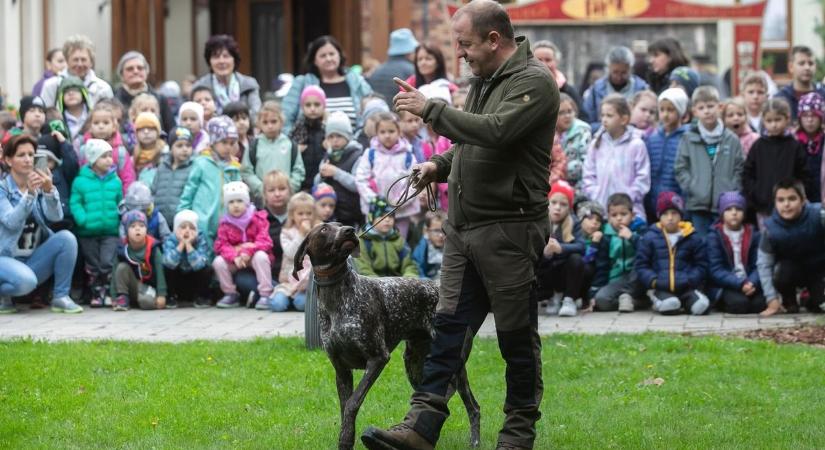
388 158
243 241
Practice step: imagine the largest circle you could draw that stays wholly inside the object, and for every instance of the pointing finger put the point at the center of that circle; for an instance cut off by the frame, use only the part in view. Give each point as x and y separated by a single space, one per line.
403 84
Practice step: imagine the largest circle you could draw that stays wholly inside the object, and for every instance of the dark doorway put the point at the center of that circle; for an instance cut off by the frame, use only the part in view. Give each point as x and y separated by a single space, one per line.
268 31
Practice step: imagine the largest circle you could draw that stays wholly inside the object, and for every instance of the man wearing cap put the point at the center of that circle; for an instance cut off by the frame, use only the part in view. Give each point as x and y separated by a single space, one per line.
498 177
398 64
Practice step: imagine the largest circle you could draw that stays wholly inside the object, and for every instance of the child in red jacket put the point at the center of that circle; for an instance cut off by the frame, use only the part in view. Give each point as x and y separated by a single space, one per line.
243 242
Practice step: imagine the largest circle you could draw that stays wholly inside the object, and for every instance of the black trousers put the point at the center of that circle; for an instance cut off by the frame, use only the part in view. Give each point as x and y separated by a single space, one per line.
736 302
490 268
789 275
189 285
572 278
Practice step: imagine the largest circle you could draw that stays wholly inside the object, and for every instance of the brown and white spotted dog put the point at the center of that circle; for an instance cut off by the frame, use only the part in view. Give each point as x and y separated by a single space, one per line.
363 319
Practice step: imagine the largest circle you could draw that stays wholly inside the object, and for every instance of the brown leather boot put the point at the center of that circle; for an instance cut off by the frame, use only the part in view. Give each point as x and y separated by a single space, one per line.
398 437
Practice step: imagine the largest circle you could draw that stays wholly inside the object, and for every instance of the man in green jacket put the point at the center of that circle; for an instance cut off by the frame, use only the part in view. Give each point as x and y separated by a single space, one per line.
498 177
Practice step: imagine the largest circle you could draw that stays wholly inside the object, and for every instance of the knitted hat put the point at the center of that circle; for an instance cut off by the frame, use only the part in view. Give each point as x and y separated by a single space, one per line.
669 200
147 119
235 190
378 207
191 106
812 102
562 187
27 103
131 217
47 145
221 128
373 106
314 91
322 190
188 216
138 197
179 134
686 77
587 209
338 123
677 98
402 42
731 199
94 149
438 89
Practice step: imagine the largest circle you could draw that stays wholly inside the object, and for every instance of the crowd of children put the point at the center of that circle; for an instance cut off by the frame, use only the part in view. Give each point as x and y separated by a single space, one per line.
679 202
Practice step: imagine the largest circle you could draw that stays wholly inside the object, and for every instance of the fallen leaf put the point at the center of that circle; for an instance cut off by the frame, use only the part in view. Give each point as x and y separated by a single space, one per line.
155 422
658 381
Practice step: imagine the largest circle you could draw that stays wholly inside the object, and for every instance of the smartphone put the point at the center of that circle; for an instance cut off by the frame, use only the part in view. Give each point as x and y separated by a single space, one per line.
41 163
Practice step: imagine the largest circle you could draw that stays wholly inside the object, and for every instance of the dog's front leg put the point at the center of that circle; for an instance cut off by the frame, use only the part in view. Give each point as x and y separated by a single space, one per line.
343 382
374 367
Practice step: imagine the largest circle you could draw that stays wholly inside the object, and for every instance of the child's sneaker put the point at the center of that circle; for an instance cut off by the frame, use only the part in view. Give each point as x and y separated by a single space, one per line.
202 302
66 305
626 303
568 308
263 304
121 303
553 305
229 301
7 305
701 305
250 300
172 302
96 302
670 305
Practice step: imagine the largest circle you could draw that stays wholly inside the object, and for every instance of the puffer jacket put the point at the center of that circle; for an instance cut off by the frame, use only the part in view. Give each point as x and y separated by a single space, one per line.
94 203
203 192
120 156
662 150
385 256
15 209
675 269
168 185
378 168
720 260
702 179
257 233
499 168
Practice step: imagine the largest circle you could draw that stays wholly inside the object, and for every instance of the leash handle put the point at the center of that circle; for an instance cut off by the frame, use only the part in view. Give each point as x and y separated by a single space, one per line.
412 178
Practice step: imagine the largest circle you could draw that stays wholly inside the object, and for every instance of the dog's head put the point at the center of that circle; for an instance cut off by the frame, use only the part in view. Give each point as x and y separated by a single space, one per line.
328 245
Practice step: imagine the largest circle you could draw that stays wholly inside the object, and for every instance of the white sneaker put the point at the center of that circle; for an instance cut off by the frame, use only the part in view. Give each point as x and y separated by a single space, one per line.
700 306
553 306
568 308
626 303
669 304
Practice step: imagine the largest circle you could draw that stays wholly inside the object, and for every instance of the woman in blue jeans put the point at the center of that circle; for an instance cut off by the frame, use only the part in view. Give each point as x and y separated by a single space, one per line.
30 253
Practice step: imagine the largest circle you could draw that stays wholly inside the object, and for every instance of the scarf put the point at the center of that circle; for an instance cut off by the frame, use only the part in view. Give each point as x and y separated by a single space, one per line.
300 133
135 92
146 157
812 144
241 222
226 94
712 137
336 155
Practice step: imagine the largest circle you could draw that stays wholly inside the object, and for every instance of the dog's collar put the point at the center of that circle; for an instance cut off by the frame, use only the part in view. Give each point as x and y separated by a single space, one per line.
331 276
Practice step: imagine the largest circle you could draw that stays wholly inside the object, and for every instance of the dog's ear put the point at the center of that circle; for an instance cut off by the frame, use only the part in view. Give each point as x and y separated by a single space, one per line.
299 256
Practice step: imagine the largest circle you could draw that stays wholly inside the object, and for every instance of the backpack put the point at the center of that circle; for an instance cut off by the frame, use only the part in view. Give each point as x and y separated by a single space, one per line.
253 154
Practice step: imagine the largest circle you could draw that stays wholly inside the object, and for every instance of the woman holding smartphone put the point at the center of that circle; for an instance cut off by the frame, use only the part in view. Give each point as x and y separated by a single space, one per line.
30 253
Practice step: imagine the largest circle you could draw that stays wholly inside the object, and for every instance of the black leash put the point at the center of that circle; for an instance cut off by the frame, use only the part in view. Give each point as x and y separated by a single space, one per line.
412 178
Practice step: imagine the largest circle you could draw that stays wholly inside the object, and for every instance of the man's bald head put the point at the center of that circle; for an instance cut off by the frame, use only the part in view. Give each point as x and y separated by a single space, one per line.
487 16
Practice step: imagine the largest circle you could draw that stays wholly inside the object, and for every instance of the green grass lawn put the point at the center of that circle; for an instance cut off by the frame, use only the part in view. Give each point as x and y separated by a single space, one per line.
717 393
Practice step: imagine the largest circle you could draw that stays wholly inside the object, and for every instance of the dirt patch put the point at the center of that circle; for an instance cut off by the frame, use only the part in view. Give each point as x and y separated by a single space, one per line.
806 334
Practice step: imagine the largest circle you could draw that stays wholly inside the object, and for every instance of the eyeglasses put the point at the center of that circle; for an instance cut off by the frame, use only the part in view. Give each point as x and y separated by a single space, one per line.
134 69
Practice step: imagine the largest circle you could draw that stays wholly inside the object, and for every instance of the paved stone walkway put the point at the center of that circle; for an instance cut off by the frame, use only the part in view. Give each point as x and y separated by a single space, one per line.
186 324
